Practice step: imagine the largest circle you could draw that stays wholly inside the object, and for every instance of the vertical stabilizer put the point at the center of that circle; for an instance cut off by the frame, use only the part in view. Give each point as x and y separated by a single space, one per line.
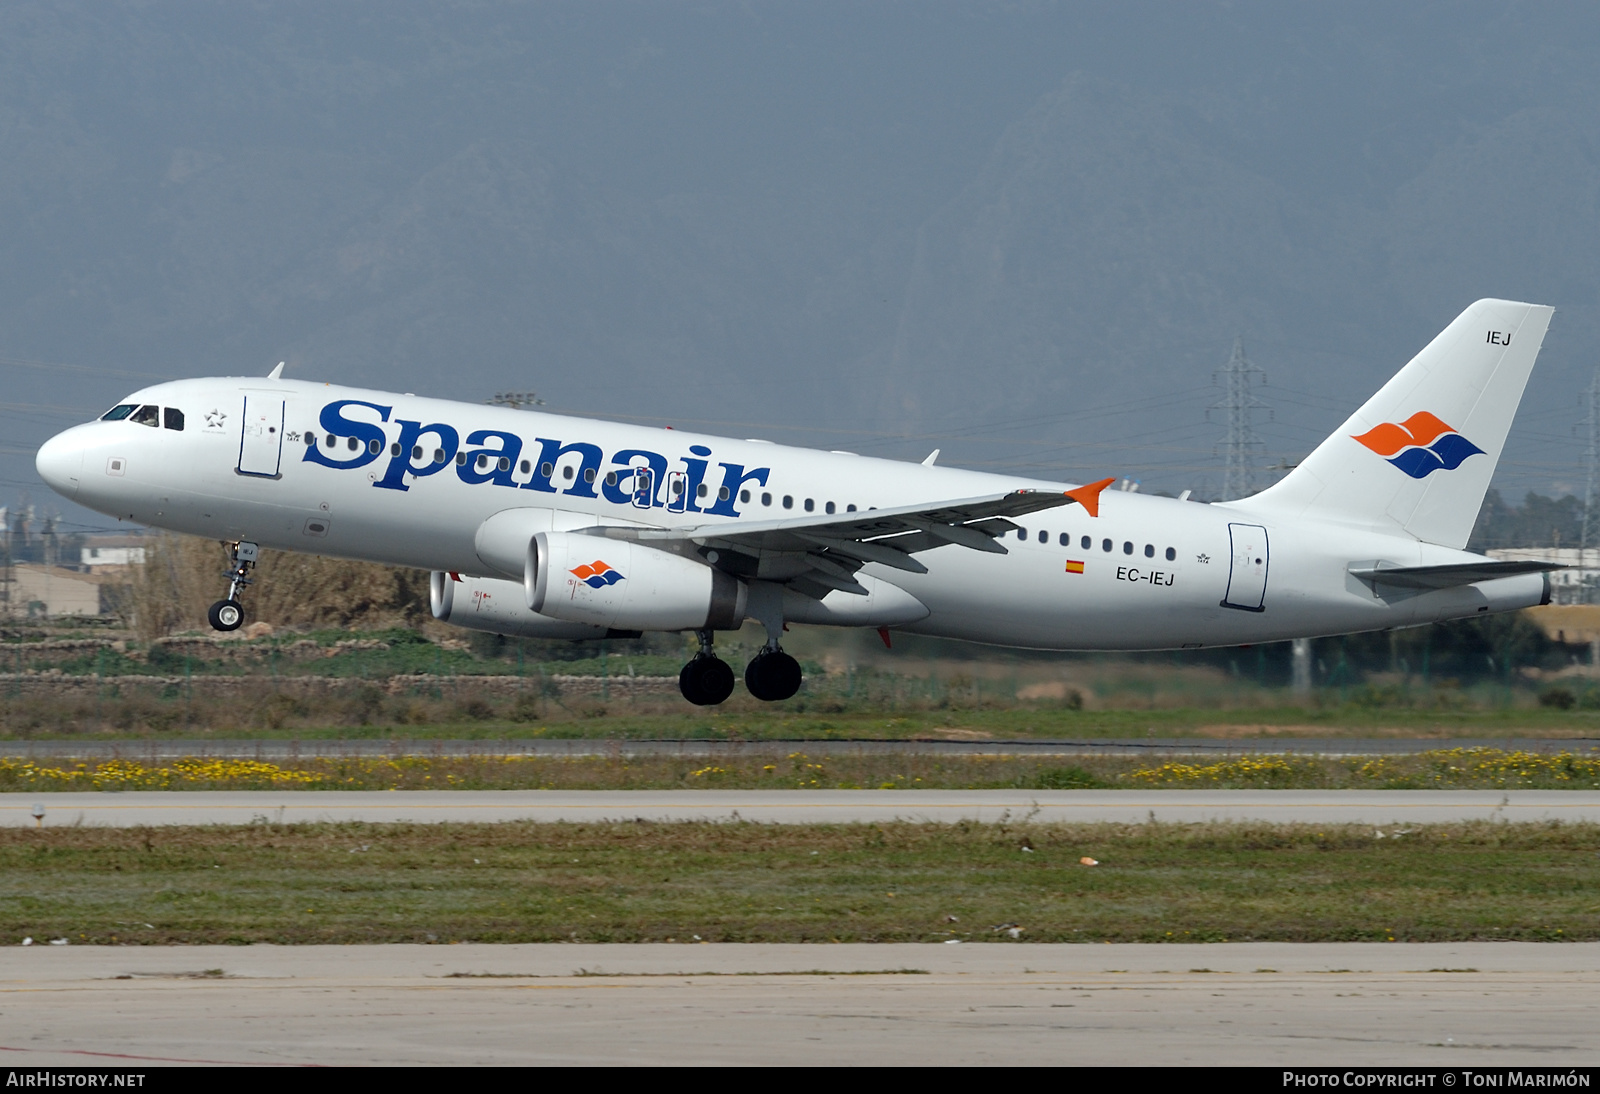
1418 457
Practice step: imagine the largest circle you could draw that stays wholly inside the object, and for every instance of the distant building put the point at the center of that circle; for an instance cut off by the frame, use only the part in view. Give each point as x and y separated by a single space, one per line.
1566 586
111 551
38 592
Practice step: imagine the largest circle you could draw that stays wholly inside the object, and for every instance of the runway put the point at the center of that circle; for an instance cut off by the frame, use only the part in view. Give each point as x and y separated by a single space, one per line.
1346 1005
801 806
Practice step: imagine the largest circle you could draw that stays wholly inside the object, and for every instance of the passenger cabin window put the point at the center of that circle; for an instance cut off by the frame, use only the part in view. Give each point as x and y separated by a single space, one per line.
1085 543
147 415
1127 547
788 501
117 413
172 418
744 495
1022 533
1171 554
829 507
1105 545
1044 537
1066 540
1149 550
810 505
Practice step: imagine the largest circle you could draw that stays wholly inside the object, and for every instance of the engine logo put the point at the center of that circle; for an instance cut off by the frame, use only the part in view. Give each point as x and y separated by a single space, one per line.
596 575
1420 445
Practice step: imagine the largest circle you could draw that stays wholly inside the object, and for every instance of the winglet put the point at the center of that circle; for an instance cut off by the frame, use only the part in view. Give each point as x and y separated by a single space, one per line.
1089 496
277 373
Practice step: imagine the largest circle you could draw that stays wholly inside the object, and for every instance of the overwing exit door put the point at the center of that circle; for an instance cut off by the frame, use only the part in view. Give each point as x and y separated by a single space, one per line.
261 443
1247 568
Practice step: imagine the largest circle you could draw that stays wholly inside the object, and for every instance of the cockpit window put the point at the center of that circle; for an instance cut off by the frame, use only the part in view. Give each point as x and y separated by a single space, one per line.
172 418
147 415
117 413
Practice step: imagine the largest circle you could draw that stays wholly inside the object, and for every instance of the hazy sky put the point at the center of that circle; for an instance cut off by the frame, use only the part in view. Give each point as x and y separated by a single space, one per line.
1024 233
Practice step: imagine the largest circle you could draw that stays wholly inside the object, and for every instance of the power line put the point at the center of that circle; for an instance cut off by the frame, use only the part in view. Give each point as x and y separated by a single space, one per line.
1241 441
1591 462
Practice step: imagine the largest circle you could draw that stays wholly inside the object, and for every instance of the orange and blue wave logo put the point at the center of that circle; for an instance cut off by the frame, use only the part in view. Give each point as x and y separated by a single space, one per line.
596 575
1420 445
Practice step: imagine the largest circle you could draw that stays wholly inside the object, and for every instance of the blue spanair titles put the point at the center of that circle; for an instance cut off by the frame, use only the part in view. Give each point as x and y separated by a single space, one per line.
355 433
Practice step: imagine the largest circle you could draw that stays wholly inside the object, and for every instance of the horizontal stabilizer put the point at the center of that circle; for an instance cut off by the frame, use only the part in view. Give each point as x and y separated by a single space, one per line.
1451 575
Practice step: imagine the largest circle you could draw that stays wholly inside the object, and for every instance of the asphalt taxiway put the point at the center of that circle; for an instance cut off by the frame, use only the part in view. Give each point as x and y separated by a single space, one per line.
143 807
1345 1005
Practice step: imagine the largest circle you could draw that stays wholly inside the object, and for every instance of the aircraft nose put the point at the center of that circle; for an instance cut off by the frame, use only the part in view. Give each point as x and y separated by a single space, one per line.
60 463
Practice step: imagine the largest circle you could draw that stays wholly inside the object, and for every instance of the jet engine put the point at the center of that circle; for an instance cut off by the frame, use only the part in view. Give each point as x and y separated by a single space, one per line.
615 583
484 604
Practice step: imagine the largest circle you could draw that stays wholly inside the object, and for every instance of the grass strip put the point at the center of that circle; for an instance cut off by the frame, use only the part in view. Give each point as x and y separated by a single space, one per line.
1457 768
690 882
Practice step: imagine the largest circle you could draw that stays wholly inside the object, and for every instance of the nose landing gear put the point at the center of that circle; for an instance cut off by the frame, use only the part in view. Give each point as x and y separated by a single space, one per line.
226 615
707 680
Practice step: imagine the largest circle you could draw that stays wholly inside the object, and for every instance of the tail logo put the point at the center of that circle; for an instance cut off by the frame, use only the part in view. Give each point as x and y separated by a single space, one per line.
596 575
1420 445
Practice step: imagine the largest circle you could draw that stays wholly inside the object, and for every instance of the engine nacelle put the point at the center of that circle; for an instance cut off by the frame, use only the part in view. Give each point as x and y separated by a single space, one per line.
615 583
484 604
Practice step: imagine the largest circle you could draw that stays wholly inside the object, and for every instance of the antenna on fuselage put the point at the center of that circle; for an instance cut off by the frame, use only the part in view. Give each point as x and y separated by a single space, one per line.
277 373
931 457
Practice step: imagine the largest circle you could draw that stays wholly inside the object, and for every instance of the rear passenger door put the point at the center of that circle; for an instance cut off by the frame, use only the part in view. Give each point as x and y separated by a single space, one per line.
1247 569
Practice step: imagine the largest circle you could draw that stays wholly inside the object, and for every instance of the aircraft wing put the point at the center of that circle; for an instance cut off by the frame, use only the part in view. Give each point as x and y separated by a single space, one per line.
818 554
1451 574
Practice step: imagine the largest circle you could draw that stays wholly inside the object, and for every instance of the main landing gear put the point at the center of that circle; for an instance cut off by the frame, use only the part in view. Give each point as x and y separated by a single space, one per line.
226 615
707 680
771 674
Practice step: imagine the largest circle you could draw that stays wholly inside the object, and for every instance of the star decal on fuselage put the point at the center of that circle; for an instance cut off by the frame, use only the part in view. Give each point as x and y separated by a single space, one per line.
215 419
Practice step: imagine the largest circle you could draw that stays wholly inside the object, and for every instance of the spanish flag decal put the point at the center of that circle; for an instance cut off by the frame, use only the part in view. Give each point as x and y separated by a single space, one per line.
1074 567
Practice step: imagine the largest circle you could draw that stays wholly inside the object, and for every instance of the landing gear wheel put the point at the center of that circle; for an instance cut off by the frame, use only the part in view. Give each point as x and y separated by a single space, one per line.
226 615
772 675
706 681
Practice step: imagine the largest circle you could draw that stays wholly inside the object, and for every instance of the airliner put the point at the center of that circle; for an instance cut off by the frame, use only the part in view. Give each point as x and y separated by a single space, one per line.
543 525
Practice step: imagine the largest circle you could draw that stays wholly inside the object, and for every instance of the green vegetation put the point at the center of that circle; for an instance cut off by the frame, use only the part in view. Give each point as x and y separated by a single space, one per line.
745 882
754 769
491 709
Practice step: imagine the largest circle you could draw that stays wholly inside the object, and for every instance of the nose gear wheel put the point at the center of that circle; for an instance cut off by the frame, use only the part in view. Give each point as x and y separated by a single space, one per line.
227 614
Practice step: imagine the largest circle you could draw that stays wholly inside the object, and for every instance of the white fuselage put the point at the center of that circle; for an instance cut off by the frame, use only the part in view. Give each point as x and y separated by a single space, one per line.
393 488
